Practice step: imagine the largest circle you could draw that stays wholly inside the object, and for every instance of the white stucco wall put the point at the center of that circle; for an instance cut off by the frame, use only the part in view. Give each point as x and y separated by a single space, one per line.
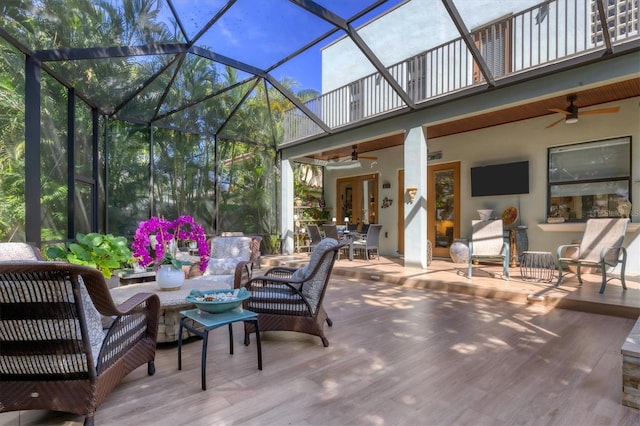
524 140
405 31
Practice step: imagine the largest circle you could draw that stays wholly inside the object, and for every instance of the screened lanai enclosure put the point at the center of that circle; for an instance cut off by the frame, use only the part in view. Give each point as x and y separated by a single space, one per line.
113 111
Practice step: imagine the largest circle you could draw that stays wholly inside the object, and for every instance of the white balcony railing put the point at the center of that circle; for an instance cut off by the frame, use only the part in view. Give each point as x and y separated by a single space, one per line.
547 33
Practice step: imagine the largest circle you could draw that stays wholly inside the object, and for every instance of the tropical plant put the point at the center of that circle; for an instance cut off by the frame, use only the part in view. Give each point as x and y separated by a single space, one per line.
104 252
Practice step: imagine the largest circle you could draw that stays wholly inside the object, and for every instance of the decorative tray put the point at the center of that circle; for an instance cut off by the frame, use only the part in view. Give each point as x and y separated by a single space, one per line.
218 301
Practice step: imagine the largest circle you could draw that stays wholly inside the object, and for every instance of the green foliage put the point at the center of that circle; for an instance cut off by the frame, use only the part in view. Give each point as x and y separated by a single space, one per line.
104 252
168 259
273 244
246 118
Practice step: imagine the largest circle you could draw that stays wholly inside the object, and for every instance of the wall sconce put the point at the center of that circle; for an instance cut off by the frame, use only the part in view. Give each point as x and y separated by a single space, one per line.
386 202
412 191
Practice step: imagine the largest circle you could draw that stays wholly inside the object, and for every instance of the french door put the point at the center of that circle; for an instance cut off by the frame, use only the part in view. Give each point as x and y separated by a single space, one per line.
357 200
443 206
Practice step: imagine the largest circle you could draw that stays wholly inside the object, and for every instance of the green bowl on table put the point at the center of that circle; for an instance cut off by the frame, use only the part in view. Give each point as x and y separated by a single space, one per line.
218 301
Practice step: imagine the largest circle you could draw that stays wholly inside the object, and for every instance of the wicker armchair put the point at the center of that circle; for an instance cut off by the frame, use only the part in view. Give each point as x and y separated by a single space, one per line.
230 263
54 353
289 299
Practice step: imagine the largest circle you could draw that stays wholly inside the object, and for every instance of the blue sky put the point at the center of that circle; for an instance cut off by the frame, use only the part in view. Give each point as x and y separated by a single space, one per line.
260 33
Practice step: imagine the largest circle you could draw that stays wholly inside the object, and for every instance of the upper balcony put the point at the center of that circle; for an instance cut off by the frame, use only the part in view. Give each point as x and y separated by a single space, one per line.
552 32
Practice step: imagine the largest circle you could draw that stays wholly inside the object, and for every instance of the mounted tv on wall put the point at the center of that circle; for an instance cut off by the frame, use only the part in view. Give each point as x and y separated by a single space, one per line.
500 179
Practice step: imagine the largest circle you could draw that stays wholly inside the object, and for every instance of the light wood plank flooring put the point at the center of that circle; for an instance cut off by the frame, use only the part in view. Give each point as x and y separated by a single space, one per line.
397 356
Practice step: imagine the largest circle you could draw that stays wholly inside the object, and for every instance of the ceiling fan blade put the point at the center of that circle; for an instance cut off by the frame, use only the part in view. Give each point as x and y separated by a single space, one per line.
554 123
601 111
360 157
561 111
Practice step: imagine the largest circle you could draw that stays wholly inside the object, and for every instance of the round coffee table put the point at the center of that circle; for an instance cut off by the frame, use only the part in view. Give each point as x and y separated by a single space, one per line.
171 302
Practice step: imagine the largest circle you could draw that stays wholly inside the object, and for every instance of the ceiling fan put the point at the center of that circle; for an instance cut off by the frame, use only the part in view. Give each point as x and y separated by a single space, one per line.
355 156
349 163
571 112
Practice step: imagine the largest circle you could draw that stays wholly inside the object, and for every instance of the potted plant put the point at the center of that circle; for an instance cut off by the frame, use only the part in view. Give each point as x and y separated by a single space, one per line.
156 243
104 252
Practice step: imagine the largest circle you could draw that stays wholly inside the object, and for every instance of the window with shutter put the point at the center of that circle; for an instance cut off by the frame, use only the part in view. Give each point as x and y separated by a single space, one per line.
494 44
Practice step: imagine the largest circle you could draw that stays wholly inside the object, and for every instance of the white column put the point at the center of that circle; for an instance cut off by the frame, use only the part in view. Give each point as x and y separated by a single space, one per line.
415 213
286 209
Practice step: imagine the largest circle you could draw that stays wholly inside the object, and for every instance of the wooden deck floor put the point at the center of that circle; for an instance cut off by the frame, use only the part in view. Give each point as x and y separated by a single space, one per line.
419 353
487 282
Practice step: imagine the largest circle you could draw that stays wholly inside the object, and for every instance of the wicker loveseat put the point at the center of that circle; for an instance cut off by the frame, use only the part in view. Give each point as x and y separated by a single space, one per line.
54 352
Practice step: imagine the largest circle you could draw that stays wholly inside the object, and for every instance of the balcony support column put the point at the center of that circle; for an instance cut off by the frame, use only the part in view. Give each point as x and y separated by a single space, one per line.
415 212
286 217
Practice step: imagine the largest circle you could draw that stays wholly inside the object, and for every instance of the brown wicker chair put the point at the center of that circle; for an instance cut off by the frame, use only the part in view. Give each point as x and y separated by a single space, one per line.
54 353
289 299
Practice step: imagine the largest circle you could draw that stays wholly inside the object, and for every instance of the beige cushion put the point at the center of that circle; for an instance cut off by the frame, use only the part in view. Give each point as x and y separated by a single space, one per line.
224 266
316 255
17 251
214 282
94 321
226 247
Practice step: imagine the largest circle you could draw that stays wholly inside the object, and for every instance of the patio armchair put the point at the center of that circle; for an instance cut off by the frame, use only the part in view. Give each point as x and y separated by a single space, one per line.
370 242
289 299
255 245
601 247
230 261
54 353
488 245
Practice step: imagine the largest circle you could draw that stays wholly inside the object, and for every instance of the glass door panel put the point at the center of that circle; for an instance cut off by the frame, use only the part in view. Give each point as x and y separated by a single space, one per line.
443 206
357 200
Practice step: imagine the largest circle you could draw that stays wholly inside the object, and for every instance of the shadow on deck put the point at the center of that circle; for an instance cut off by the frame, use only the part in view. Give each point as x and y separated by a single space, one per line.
487 281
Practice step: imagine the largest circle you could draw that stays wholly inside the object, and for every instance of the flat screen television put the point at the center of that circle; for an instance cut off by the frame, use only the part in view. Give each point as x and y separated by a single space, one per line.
500 179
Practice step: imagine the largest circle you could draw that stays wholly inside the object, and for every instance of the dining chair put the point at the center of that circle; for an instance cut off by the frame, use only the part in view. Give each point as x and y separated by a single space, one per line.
369 242
314 233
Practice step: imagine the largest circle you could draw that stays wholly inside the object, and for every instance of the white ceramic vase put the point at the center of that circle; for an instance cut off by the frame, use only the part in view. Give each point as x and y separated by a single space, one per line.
459 252
485 214
169 278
